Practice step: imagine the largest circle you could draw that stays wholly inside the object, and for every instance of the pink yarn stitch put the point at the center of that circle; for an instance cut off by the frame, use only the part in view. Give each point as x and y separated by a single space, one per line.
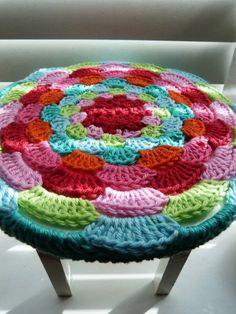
16 173
127 134
52 77
197 150
131 96
9 113
202 112
41 157
94 131
176 79
29 113
78 117
144 201
151 120
66 82
222 165
86 103
126 178
223 112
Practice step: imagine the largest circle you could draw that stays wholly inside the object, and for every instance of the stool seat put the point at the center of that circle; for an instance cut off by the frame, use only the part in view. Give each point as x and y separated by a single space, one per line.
116 161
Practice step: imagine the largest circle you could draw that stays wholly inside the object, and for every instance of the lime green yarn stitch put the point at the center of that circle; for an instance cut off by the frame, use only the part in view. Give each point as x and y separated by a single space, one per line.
213 93
196 202
113 140
117 91
17 92
234 136
151 131
69 110
81 65
56 209
76 131
88 96
147 98
162 113
151 67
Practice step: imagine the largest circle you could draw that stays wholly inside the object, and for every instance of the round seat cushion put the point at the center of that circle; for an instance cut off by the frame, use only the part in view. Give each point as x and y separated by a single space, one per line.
116 161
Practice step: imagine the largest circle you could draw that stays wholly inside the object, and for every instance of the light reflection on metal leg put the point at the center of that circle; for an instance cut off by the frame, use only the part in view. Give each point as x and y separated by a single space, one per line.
56 274
168 271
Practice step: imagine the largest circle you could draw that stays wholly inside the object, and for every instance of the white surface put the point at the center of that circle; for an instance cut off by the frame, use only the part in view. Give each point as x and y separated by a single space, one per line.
203 20
207 283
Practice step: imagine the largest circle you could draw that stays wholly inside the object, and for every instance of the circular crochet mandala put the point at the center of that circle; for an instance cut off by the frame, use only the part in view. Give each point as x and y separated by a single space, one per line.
116 161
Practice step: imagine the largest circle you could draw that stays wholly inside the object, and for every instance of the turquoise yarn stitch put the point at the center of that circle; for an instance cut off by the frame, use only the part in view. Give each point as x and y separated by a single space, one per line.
8 197
136 235
62 144
120 155
190 76
59 124
142 143
49 113
99 88
114 82
182 111
68 100
77 89
155 91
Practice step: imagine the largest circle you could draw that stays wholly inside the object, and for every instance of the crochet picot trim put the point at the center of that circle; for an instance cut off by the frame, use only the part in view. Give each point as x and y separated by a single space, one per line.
116 161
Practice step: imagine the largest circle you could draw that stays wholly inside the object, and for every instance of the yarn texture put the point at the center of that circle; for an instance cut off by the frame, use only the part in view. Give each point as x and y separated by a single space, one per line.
116 161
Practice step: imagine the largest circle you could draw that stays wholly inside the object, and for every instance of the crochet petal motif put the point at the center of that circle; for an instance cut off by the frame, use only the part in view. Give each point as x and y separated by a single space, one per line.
57 210
116 161
41 157
13 137
178 178
197 202
16 173
125 178
144 201
73 183
136 235
222 165
9 113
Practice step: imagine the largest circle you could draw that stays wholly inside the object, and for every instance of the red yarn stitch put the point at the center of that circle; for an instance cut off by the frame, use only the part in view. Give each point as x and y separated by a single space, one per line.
195 95
179 178
13 137
85 72
116 113
219 133
33 96
73 183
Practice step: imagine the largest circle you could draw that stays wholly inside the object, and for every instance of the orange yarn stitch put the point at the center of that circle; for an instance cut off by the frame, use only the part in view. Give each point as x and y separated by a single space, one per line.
91 79
139 80
51 97
82 161
180 99
161 157
193 128
38 131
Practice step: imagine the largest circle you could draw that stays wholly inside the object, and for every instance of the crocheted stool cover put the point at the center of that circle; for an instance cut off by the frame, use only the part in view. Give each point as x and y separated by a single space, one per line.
116 161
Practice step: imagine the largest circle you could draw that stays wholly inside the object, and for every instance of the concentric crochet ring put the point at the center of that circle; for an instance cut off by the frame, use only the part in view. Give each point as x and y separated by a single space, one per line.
116 161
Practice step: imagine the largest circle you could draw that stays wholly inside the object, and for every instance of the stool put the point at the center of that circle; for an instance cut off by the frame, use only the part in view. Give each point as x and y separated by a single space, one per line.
116 162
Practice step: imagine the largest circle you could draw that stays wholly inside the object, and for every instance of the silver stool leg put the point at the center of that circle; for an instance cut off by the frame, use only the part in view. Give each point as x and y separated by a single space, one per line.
56 274
168 272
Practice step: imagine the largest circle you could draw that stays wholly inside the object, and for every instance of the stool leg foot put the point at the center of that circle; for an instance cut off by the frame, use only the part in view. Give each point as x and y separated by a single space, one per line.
56 274
168 272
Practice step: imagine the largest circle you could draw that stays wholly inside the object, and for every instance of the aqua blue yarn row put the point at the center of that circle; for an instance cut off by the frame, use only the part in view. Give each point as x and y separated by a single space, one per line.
171 127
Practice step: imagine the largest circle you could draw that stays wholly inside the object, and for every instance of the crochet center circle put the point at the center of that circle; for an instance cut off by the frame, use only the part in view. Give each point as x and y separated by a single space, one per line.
116 161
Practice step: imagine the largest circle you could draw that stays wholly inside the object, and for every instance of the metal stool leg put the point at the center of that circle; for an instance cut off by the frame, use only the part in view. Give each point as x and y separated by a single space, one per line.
56 274
168 272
